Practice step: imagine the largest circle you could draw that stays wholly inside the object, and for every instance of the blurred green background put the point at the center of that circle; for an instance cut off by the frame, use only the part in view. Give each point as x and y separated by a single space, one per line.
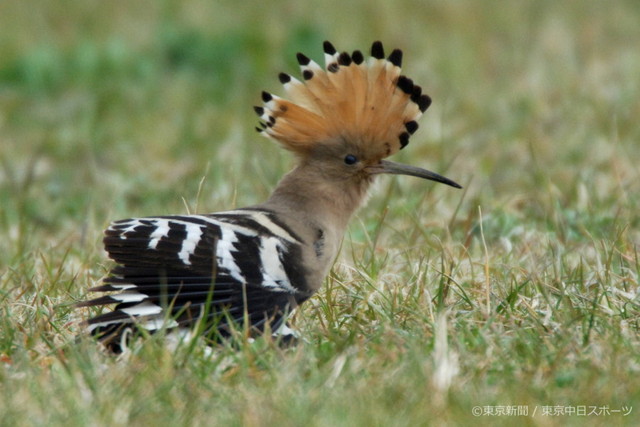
130 101
112 109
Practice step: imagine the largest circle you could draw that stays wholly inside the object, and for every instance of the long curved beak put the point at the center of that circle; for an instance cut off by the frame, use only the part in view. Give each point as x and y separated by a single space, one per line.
394 168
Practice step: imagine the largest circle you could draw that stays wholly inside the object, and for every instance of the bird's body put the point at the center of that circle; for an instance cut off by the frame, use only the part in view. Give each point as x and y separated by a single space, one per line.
252 266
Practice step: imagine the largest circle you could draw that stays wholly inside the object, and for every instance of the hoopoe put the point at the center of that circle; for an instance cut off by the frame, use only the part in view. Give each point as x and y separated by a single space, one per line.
253 266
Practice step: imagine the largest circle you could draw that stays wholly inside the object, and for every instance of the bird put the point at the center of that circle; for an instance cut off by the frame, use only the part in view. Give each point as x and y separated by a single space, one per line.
251 267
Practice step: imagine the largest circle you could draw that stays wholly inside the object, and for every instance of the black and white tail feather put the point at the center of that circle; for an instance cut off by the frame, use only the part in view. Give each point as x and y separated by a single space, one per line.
236 268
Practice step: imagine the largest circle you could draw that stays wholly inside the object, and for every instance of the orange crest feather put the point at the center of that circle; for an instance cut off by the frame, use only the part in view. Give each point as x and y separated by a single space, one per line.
368 103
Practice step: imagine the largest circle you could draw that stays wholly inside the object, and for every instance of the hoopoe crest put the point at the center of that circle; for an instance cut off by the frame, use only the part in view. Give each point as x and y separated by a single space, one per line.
253 266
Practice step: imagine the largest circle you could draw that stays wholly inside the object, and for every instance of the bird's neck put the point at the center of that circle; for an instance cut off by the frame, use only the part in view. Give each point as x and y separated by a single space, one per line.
318 211
308 194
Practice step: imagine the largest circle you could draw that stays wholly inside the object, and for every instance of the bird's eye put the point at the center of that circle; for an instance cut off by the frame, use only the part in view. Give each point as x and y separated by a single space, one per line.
350 159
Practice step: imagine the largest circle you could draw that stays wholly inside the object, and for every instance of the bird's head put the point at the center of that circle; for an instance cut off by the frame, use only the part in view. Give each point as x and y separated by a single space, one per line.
344 120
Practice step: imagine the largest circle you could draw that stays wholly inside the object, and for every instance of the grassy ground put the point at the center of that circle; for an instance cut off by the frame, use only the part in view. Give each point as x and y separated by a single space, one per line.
520 291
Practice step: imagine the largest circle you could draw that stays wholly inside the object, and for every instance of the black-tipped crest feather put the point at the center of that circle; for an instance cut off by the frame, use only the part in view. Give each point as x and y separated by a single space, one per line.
377 50
328 48
370 103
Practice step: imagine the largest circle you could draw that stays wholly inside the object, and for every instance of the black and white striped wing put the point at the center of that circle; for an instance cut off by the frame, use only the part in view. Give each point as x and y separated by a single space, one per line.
175 271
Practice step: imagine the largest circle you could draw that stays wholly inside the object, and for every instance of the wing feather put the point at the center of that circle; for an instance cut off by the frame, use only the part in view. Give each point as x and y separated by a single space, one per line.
177 271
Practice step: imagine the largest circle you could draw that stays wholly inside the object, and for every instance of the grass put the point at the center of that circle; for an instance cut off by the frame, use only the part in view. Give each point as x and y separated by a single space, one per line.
520 290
